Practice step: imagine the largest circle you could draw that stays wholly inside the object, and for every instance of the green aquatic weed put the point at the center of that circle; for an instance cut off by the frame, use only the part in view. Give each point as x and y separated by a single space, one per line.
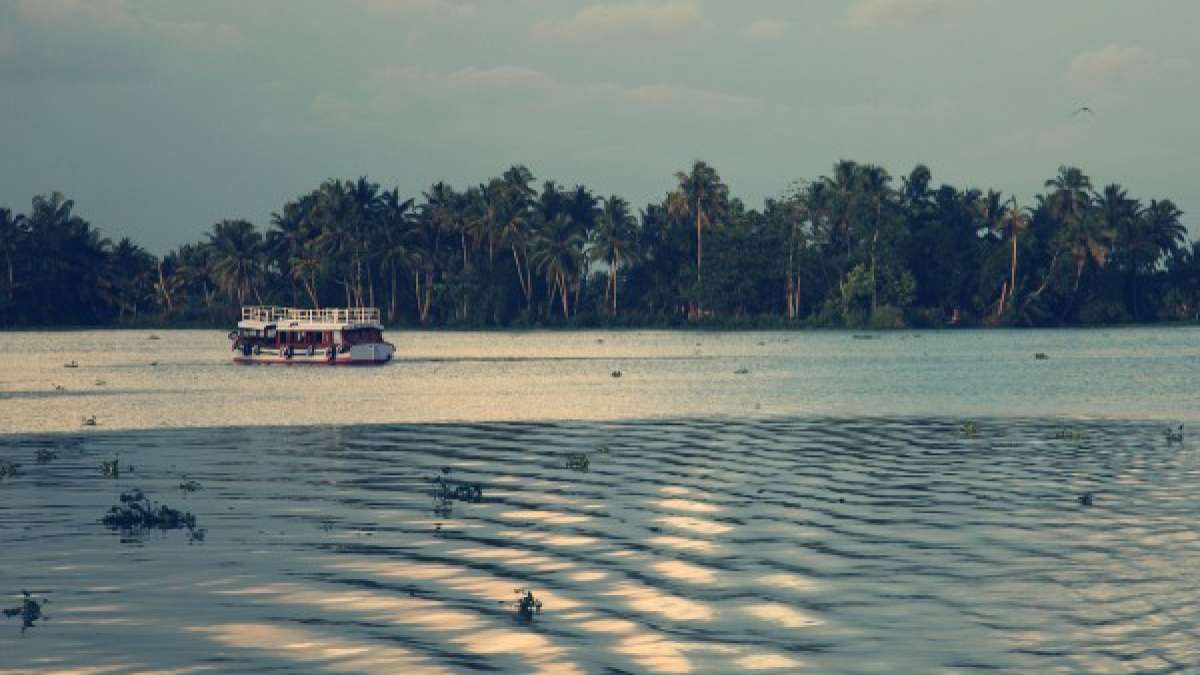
30 610
527 605
8 469
578 461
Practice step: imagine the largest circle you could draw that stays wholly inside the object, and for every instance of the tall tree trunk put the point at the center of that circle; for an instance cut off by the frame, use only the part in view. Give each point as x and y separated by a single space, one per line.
1012 279
566 304
614 286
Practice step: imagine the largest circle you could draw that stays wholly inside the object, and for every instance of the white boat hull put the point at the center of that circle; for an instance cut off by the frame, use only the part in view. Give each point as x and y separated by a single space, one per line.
358 355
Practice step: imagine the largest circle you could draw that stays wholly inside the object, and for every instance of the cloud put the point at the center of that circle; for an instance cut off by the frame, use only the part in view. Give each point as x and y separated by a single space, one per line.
504 91
868 14
1115 63
695 100
639 19
766 29
415 81
96 40
935 110
452 8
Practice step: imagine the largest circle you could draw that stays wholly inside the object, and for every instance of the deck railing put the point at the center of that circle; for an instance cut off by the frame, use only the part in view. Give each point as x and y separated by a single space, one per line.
349 315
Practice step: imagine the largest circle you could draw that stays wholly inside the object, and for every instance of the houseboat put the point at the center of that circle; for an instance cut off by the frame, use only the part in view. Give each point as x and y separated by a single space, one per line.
335 336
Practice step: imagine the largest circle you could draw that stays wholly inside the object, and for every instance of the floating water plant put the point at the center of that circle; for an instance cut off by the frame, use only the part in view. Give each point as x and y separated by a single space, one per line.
1174 435
446 491
137 513
527 605
111 469
8 469
578 461
45 455
969 429
30 610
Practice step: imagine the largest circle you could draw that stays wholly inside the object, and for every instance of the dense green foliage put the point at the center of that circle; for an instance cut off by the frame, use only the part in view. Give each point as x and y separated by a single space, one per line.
855 248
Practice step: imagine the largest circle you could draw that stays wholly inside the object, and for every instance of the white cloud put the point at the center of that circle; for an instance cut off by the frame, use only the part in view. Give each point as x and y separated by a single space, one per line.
453 8
766 29
867 14
663 95
411 81
115 16
508 89
638 19
1115 63
934 110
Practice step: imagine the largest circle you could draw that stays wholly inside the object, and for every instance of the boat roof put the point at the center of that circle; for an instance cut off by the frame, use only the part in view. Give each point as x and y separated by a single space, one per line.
292 318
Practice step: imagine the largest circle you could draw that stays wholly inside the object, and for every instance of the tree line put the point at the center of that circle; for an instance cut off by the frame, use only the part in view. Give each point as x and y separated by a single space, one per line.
855 248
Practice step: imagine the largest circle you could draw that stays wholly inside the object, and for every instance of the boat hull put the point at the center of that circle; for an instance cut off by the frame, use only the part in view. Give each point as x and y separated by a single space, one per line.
358 355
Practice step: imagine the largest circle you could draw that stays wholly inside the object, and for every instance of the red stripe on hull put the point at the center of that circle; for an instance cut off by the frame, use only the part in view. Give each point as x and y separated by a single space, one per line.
241 361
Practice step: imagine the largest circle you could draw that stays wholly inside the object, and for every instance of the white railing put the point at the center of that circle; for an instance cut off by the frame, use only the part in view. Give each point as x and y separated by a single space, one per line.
344 315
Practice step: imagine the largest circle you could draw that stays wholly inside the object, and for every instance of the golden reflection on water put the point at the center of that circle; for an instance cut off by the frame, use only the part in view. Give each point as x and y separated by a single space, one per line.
687 572
317 649
697 525
440 376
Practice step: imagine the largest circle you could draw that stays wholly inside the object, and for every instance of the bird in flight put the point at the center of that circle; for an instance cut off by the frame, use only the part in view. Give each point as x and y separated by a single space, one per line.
1082 110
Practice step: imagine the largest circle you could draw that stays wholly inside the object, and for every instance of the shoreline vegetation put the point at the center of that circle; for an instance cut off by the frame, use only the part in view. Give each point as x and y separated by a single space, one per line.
855 249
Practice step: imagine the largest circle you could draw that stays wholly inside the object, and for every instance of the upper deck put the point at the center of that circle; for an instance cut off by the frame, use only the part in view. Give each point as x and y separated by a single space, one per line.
331 317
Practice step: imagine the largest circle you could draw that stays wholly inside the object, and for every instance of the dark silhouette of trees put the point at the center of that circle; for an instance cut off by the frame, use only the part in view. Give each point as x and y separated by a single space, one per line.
854 248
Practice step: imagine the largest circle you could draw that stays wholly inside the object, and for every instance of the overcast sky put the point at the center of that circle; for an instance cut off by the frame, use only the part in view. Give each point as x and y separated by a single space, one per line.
160 118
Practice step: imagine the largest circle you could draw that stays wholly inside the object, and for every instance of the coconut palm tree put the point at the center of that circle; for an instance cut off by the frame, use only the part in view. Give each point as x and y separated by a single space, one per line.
1012 221
1071 197
615 243
557 253
13 233
396 221
702 198
235 263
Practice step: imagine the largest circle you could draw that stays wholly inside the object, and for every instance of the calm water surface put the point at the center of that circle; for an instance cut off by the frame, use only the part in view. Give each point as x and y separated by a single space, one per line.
1126 374
824 511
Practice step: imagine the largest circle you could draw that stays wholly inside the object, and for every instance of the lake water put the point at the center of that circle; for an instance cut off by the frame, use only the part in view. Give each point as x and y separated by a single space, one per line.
765 502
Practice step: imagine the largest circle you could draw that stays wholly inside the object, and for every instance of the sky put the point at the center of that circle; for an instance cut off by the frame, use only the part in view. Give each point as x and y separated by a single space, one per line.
162 118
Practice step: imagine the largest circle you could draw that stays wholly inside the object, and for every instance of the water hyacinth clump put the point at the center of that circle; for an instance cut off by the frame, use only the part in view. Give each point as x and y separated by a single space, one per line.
137 513
8 469
111 469
578 461
970 429
527 605
446 491
30 610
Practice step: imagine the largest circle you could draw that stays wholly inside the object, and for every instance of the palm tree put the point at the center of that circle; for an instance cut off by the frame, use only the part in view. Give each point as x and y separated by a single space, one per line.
396 233
514 226
701 197
615 243
1012 221
1071 197
557 252
13 231
235 261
